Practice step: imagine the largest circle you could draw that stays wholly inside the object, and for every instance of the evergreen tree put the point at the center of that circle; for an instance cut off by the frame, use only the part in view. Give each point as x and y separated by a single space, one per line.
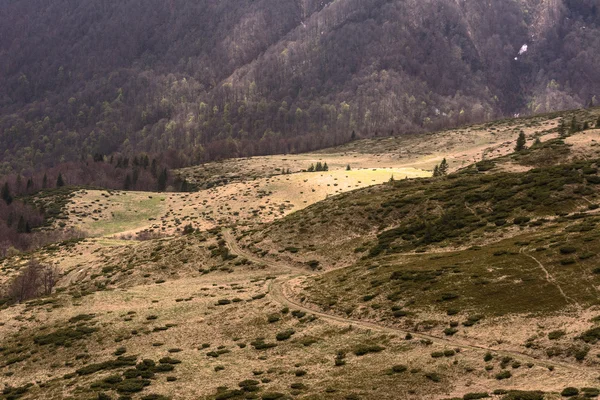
60 181
325 167
521 140
184 185
562 130
135 177
6 196
574 125
311 168
319 167
392 178
443 168
127 184
162 180
154 168
586 126
45 182
348 167
436 171
353 136
29 184
21 225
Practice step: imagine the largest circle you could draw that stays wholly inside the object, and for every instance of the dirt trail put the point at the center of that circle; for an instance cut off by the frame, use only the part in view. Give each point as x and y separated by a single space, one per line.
551 279
277 290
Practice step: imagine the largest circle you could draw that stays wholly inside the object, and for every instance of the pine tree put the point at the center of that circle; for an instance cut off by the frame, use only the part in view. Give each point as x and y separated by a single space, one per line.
561 128
162 181
311 168
6 196
319 167
574 125
436 171
29 184
521 140
353 136
325 167
127 184
60 181
392 178
45 182
154 168
348 167
184 185
21 226
443 168
586 126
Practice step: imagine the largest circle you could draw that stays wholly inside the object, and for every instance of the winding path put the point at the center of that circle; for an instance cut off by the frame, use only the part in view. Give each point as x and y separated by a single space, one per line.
277 291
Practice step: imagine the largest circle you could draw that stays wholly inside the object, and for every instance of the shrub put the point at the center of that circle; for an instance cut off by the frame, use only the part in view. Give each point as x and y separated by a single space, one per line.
272 318
450 331
591 335
432 376
569 392
132 385
398 369
437 354
473 396
285 335
272 396
567 250
503 375
555 335
62 337
366 349
523 395
488 357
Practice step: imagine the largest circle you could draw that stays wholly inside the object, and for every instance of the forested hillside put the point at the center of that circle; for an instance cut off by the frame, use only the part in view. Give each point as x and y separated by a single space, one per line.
209 79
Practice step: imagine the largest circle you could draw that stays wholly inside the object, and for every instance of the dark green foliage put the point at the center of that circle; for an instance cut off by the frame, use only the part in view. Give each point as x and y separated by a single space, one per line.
132 385
521 141
272 396
523 395
569 392
591 335
554 335
367 348
503 375
64 336
119 362
474 396
285 335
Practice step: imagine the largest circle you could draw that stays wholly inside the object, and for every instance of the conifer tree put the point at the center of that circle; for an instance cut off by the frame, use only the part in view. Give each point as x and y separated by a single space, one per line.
325 167
521 140
6 196
127 184
348 167
443 169
45 182
60 181
162 180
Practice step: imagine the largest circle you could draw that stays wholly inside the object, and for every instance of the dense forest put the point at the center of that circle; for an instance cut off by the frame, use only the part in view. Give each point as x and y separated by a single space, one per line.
210 79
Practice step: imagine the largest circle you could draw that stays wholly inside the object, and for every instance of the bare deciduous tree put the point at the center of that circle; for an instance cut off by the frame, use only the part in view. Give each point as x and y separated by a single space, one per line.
35 280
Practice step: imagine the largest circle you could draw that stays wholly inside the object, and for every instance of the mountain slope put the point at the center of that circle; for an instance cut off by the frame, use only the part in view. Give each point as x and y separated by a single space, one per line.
209 80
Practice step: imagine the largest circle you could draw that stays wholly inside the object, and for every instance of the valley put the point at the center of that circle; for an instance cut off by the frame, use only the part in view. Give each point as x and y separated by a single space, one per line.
371 279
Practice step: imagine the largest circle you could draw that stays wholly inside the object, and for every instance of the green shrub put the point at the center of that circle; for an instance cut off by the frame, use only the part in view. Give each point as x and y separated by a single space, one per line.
61 337
473 396
285 335
569 392
555 335
568 250
503 375
132 385
361 350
